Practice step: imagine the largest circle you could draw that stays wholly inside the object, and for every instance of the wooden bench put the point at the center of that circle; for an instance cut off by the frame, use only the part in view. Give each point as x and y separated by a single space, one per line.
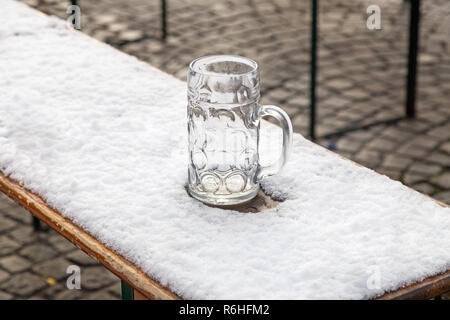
136 282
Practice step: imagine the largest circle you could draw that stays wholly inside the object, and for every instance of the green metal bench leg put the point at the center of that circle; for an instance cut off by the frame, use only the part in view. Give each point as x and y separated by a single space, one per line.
36 224
313 71
127 291
414 20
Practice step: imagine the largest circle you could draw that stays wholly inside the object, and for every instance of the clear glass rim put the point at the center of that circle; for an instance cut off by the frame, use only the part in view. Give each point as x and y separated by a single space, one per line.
224 57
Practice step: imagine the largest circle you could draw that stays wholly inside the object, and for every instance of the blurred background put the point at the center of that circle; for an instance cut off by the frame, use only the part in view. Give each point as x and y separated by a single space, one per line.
361 80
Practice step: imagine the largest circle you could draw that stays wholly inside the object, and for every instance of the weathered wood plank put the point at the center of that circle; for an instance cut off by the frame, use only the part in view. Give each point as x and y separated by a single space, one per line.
426 289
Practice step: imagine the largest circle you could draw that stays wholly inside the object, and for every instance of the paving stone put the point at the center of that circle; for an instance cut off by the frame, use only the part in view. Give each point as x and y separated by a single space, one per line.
324 113
331 127
117 27
446 147
355 94
130 35
396 161
6 223
24 234
18 214
5 296
382 144
427 59
393 174
154 46
5 202
368 158
424 188
323 93
61 244
409 151
361 135
432 116
301 86
292 111
101 295
442 181
279 95
349 145
439 158
425 169
14 264
298 101
410 178
7 245
67 294
300 121
80 258
37 297
105 19
4 275
101 35
442 132
54 268
424 142
346 155
93 278
38 252
31 3
339 84
23 284
443 196
115 289
348 115
51 291
414 126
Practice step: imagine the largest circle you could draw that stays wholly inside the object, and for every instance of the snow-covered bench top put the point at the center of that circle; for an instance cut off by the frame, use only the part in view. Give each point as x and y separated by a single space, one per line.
101 137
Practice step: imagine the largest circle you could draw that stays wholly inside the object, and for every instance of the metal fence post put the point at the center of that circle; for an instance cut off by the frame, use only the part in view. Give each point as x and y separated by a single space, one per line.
414 20
313 71
164 19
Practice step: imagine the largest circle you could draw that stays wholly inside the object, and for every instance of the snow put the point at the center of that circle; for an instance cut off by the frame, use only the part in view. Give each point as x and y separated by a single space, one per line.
101 137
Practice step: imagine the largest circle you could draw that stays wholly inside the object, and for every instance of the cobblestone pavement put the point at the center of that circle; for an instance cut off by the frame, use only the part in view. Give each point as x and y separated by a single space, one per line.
33 265
361 80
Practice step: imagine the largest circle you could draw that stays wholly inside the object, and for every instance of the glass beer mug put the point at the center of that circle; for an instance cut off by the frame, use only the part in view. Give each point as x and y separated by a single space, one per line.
223 128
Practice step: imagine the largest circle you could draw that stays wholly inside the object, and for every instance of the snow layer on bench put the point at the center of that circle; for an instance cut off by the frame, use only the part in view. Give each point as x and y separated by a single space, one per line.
102 137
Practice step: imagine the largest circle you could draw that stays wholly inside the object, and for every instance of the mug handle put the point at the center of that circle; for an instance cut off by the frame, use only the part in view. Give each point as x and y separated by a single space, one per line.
286 125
